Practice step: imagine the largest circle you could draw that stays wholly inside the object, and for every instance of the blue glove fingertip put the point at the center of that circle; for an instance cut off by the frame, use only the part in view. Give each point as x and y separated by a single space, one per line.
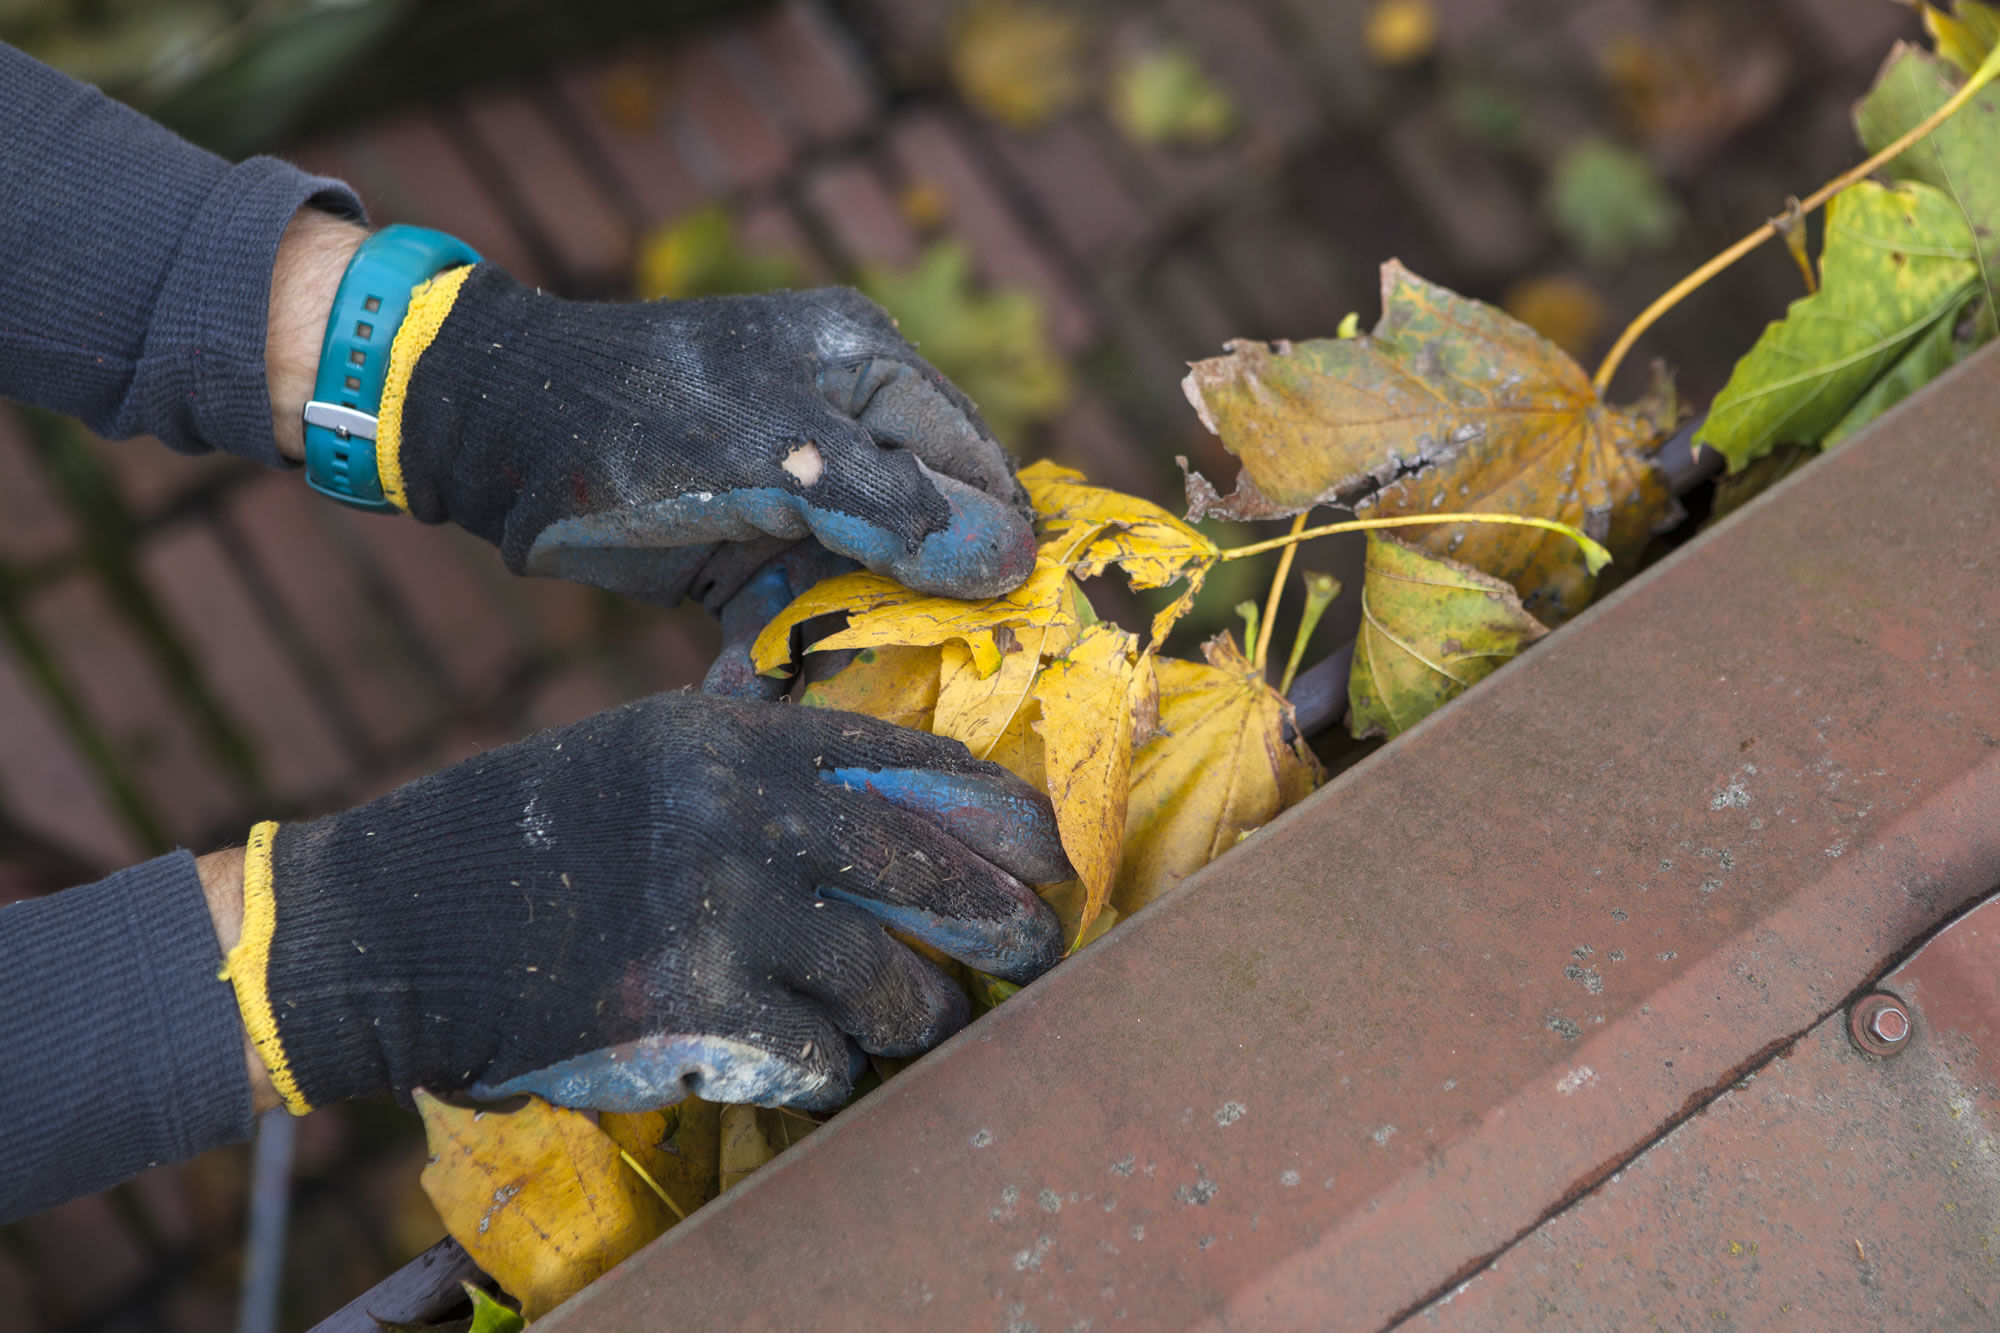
1014 829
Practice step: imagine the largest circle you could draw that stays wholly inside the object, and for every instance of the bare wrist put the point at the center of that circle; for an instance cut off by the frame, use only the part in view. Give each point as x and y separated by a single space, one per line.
222 885
312 257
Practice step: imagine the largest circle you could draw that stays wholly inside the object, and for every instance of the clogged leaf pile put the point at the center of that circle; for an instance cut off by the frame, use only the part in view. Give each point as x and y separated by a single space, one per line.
1155 765
1508 478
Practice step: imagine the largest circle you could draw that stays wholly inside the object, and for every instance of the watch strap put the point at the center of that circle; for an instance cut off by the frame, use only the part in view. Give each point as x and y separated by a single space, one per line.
374 296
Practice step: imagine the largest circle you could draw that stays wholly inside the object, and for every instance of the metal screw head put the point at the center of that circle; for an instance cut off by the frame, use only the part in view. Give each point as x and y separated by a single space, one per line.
1880 1024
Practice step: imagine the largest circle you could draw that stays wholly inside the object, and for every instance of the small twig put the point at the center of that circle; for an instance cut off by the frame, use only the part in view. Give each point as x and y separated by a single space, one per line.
1277 591
1679 291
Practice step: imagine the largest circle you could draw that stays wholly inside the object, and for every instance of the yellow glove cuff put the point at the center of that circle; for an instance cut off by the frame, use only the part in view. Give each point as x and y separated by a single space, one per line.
248 966
430 302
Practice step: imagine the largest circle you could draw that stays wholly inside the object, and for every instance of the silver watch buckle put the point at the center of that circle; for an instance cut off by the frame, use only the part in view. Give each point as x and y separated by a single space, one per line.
344 421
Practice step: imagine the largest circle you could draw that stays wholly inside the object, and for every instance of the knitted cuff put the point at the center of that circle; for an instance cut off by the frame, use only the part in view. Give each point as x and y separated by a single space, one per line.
248 966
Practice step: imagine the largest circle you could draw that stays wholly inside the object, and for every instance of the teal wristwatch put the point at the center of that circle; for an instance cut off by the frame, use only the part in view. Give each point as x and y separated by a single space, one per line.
354 358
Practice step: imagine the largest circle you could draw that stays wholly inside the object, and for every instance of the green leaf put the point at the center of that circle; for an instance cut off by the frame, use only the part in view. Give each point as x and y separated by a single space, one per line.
1609 202
1936 350
1162 96
1431 629
1897 260
489 1315
1733 490
1960 157
992 344
1966 39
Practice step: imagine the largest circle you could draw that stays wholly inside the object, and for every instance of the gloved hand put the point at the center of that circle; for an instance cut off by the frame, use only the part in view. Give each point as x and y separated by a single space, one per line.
671 447
686 894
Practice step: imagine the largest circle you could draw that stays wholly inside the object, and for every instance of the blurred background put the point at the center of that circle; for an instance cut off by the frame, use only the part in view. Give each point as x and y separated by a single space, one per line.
1063 204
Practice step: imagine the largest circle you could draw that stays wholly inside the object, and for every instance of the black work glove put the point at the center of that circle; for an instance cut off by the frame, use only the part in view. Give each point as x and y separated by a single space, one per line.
687 894
669 447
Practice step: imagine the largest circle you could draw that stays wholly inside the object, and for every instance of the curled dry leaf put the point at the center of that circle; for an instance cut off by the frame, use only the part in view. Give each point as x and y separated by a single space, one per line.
1224 759
1091 527
1448 403
1091 700
1431 628
882 612
537 1195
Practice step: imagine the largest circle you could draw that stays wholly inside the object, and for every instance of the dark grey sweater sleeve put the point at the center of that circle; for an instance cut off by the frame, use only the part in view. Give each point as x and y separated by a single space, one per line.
135 268
122 1048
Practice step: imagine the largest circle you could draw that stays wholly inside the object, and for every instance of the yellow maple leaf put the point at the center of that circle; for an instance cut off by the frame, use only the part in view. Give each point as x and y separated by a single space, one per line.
977 710
882 612
896 684
744 1147
1089 527
1110 528
539 1196
1090 701
1219 766
675 1146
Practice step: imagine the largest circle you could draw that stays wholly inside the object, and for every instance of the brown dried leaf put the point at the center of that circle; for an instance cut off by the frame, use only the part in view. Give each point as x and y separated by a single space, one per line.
1449 403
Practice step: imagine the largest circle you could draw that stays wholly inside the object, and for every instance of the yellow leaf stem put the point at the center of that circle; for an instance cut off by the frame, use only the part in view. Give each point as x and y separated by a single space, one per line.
1985 74
1285 558
1594 554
